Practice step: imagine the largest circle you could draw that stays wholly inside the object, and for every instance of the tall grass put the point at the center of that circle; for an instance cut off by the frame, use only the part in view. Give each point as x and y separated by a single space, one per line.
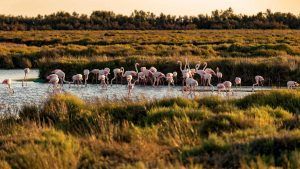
67 132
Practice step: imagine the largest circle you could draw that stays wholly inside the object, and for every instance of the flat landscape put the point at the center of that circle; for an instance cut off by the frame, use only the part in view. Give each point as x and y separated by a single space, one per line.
260 129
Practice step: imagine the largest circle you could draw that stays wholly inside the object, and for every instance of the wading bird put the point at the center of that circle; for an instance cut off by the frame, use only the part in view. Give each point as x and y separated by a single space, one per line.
131 72
77 79
224 86
238 82
170 79
26 71
191 84
8 82
158 77
117 72
292 84
130 85
219 74
258 81
86 73
61 75
102 79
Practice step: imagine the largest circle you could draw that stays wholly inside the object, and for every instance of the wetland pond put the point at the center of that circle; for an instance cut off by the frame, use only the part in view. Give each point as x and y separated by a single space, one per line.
36 93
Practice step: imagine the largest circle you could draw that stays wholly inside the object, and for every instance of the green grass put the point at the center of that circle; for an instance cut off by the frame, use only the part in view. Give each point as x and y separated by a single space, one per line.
258 131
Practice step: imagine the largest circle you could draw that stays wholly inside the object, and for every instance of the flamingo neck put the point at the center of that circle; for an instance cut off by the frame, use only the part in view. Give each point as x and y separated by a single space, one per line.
204 66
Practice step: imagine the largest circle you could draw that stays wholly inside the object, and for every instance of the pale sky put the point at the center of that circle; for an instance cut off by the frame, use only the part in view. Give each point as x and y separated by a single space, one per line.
174 7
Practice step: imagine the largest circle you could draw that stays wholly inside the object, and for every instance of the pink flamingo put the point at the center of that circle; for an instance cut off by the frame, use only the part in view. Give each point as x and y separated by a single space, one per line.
117 72
185 72
105 72
224 86
200 72
86 73
157 77
96 73
149 73
77 79
292 84
8 82
207 80
175 74
238 81
130 85
219 74
208 70
258 80
26 71
191 84
170 79
131 72
61 75
142 78
54 80
102 79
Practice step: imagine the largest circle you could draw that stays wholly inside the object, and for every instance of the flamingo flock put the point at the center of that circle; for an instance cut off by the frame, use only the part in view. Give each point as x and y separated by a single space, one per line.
145 76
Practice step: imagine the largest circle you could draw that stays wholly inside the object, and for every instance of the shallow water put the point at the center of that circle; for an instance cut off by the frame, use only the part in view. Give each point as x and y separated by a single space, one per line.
35 93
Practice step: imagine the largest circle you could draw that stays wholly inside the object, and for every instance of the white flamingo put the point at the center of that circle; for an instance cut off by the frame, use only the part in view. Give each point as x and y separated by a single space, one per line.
142 78
105 72
130 85
175 74
8 82
191 84
61 75
207 80
219 74
157 77
238 81
117 72
185 72
96 73
77 79
258 81
131 72
53 80
86 73
200 72
224 86
292 84
102 79
26 71
170 79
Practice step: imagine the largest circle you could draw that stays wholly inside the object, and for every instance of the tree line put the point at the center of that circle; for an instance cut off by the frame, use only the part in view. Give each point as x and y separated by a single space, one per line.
141 20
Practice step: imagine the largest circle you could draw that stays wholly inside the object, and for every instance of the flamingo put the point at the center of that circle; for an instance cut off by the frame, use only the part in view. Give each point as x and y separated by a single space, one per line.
86 73
26 71
96 73
8 82
185 72
238 81
200 72
148 73
292 84
105 72
157 77
102 79
170 79
175 74
117 72
142 78
131 72
207 80
219 74
130 85
61 75
208 70
224 86
54 80
77 79
258 80
191 84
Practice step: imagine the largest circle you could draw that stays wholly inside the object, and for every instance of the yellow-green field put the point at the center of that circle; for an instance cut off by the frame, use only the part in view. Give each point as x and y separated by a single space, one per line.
245 53
258 131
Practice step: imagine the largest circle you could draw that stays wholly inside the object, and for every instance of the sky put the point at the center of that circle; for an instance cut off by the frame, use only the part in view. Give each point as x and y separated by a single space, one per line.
174 7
